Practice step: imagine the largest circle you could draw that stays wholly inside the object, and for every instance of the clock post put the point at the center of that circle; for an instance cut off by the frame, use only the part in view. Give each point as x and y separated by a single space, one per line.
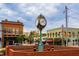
40 23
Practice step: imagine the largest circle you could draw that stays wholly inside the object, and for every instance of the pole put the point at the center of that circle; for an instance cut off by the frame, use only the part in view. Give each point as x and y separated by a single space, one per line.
62 36
66 17
53 41
40 45
66 10
2 40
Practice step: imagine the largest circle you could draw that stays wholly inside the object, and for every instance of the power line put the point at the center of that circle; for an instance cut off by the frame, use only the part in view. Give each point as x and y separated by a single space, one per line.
74 11
74 17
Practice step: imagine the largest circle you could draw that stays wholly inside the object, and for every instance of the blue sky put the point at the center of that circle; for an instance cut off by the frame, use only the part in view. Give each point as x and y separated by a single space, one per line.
28 12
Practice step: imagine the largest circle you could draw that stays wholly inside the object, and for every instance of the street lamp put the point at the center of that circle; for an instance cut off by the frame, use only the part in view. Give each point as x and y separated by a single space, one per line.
40 23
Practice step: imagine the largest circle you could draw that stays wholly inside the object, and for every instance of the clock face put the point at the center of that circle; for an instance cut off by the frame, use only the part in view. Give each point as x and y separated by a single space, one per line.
42 22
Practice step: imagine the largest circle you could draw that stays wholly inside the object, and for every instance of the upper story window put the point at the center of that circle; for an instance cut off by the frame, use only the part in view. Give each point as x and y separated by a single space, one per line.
65 33
73 33
4 30
78 33
9 30
20 32
17 31
50 34
53 34
59 34
56 34
69 34
13 30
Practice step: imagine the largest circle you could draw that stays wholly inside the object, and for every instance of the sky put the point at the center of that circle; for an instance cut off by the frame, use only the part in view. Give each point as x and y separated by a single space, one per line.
27 14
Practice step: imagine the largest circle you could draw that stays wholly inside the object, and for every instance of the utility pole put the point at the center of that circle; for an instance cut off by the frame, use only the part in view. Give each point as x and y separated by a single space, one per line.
62 28
66 17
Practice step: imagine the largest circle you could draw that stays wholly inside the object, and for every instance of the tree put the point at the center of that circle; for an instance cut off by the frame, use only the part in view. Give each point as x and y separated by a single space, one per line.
26 38
31 37
20 38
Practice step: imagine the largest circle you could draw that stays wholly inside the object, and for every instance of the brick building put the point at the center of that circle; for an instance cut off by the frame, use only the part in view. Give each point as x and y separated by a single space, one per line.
10 30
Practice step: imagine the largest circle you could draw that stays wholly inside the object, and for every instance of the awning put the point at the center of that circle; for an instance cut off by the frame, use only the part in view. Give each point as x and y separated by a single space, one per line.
48 41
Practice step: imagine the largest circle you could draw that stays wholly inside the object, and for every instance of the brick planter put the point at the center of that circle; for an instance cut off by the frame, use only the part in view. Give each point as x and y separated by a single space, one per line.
61 51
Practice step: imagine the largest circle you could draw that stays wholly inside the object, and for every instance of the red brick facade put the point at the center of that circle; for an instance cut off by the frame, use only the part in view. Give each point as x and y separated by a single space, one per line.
10 30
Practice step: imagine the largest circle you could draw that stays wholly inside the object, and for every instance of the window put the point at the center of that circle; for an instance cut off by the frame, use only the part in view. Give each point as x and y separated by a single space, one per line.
9 35
73 34
4 30
50 34
59 34
64 33
78 33
53 34
4 35
69 34
13 31
17 31
9 30
20 32
56 34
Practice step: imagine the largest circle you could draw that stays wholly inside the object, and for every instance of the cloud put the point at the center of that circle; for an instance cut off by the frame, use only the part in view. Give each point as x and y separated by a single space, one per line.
73 22
73 19
6 11
55 24
1 5
27 14
36 9
33 10
73 16
21 19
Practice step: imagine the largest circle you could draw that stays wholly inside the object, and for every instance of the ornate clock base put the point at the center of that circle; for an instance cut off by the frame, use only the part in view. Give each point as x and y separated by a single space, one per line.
40 47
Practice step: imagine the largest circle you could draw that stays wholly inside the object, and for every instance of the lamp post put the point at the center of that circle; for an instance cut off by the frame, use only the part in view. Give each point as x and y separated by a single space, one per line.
40 23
